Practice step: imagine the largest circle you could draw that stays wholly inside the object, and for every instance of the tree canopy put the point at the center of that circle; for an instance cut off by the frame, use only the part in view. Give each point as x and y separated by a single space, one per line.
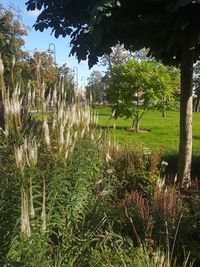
93 88
118 56
12 32
164 26
137 87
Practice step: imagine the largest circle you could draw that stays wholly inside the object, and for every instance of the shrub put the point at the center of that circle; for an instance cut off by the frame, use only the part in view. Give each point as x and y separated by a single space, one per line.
135 168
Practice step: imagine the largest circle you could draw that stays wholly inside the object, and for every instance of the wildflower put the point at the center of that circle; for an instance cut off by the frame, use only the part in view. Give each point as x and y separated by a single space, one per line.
68 139
164 163
66 154
25 222
13 61
146 151
110 171
75 135
108 157
32 212
1 66
46 132
175 179
104 192
92 134
61 140
19 158
99 182
160 183
83 132
32 152
113 113
100 134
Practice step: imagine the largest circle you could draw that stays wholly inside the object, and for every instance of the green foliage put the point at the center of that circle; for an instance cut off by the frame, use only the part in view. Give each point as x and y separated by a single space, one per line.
69 193
21 67
67 77
137 87
37 68
93 88
135 168
11 41
189 233
91 217
167 84
163 26
95 206
196 84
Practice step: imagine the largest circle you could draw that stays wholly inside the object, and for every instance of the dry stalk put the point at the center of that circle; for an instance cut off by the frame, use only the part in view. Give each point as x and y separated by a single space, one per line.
168 201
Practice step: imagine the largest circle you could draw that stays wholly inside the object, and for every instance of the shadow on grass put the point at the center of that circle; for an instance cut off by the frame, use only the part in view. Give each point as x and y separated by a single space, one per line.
196 137
111 127
125 128
105 115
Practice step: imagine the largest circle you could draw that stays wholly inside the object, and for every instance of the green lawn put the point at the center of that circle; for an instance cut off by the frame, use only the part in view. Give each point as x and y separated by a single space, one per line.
161 132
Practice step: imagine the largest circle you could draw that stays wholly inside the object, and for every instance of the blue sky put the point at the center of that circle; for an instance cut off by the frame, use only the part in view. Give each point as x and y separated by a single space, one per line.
41 41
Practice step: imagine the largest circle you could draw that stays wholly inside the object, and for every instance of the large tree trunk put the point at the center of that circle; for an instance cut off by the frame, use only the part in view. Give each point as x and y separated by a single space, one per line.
185 146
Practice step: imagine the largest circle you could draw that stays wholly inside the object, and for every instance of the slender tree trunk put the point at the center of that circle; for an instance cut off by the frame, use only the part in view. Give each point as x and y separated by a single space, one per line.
185 146
164 113
163 109
137 127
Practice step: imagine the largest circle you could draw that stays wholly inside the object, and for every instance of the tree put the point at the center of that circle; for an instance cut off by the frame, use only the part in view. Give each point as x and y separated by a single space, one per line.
137 87
12 32
11 41
67 77
168 28
118 56
93 88
40 66
167 82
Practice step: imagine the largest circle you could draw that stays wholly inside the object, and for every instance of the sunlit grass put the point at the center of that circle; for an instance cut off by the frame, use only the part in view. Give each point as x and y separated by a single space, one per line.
161 133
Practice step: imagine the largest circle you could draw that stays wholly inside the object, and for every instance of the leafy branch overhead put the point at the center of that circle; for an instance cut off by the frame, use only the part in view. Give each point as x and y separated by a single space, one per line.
94 26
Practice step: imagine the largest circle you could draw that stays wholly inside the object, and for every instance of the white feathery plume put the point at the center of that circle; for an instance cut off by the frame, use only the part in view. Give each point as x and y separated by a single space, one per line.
54 123
32 152
61 139
19 157
68 139
25 222
46 132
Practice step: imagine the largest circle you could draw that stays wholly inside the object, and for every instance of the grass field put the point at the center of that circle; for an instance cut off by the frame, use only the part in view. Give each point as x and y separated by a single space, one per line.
162 133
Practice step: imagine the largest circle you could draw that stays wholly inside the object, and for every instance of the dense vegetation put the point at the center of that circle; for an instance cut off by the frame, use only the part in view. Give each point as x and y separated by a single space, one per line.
73 193
71 196
167 28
